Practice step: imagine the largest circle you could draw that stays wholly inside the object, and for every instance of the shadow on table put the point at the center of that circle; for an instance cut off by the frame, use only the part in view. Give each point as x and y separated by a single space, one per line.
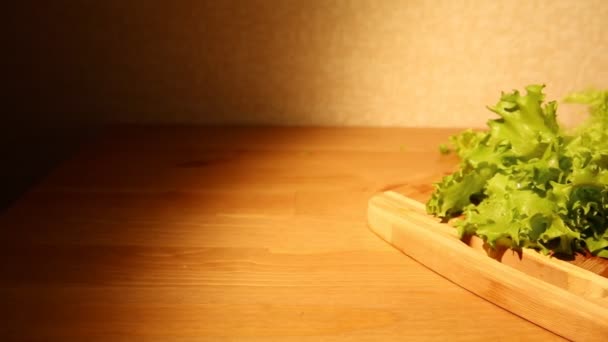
31 150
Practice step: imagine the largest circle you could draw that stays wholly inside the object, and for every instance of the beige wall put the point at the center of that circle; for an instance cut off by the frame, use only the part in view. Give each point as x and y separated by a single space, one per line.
316 62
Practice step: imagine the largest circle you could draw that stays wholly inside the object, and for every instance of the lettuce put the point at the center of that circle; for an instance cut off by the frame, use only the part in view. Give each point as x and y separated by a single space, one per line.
527 182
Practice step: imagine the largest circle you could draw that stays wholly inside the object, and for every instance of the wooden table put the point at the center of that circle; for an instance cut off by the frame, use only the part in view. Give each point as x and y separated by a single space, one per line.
189 233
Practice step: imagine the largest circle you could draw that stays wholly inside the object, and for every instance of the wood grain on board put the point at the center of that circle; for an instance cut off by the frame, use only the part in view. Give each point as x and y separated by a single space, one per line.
560 296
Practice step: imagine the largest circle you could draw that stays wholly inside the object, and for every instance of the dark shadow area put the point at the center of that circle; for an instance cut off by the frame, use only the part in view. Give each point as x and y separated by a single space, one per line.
48 108
31 150
73 66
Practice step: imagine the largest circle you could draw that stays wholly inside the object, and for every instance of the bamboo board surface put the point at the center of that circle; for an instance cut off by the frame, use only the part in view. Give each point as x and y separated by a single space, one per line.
563 297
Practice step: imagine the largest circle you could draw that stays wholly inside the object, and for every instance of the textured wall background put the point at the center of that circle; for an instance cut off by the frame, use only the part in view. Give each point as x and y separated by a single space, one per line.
315 62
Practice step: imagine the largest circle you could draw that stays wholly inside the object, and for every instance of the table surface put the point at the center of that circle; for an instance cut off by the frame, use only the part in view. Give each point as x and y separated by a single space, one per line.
193 233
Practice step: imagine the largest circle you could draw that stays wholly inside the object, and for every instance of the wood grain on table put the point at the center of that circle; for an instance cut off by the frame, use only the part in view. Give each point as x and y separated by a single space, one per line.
190 233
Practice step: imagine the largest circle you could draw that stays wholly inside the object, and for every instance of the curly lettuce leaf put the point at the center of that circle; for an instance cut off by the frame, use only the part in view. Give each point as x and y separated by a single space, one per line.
525 182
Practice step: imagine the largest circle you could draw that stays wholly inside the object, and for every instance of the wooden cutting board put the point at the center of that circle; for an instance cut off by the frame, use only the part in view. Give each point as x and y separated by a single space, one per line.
569 298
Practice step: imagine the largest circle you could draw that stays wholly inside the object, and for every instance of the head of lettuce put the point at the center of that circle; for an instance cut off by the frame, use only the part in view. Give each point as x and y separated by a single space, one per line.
527 182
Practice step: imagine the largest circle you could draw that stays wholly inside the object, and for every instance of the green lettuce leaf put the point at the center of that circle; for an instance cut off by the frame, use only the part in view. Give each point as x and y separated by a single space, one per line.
525 182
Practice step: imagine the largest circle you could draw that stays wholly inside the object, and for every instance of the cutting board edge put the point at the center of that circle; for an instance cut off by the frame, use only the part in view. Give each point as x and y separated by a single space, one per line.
580 318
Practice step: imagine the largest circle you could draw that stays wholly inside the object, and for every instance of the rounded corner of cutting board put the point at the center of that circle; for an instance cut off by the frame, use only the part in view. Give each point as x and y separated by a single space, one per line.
388 215
378 227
